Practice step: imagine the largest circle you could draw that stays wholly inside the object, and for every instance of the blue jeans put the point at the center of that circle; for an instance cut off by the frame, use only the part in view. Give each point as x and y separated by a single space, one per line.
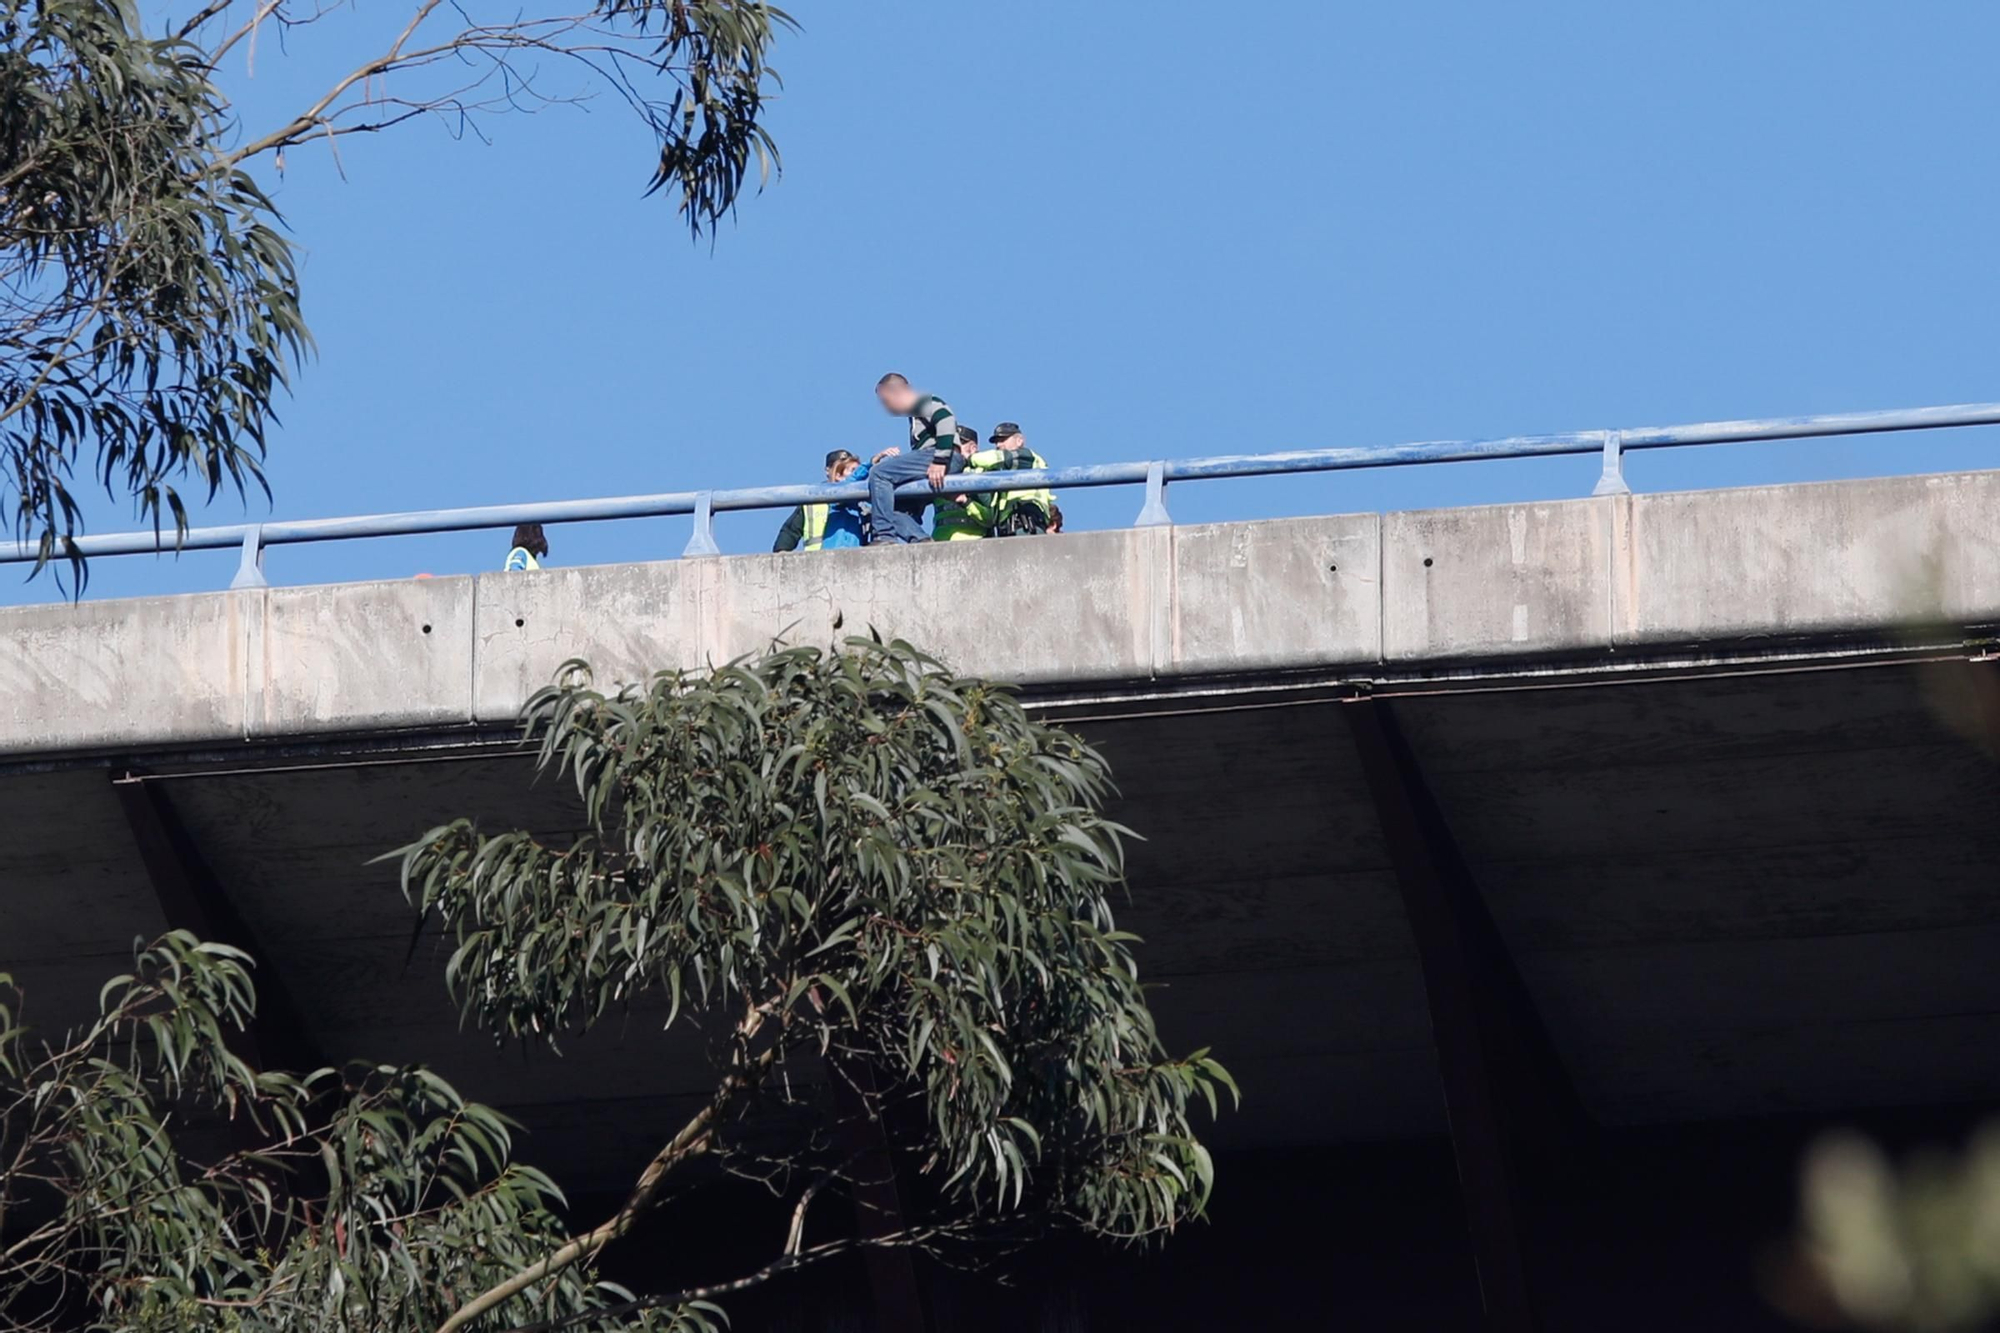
888 523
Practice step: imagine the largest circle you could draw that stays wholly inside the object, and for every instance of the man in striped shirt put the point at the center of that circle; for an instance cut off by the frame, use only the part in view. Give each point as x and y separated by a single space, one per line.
933 441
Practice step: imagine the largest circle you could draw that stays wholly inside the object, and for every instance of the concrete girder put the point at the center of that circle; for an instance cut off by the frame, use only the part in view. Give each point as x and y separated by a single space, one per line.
1514 1115
193 900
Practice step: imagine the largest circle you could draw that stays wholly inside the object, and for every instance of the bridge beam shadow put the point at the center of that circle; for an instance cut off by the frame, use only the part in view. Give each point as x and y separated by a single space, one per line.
1517 1125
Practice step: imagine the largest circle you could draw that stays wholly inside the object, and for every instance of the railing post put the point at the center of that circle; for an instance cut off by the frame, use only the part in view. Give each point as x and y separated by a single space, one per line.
1613 480
1154 514
702 540
250 573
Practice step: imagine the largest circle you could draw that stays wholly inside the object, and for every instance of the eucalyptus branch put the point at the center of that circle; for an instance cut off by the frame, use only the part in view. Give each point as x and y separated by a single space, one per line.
694 1139
916 1237
264 10
584 39
313 116
201 16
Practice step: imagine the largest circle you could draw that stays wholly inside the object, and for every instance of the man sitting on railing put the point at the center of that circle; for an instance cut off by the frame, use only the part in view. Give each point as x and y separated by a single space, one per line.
933 441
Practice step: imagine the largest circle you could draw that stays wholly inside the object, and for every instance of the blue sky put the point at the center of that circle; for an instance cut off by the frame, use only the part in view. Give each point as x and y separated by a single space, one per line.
1150 230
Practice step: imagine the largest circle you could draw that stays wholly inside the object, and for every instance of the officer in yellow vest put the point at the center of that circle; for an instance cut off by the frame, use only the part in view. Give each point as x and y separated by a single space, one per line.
961 518
1018 513
826 527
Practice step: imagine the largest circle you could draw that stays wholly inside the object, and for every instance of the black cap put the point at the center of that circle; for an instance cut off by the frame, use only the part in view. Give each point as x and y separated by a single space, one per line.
967 435
839 456
1004 431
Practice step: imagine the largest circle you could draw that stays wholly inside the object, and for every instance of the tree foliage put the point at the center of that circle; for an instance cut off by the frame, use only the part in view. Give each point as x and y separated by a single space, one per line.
150 1179
149 305
862 861
148 310
854 869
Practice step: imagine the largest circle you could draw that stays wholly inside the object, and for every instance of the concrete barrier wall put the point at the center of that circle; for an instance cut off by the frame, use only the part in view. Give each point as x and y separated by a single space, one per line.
1566 579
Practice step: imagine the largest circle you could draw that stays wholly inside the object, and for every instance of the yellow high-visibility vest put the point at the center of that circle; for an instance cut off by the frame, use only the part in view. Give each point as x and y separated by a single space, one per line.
815 532
1004 502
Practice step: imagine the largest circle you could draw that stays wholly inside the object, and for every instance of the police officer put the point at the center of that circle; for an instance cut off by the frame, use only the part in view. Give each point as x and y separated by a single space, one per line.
960 518
1019 513
826 527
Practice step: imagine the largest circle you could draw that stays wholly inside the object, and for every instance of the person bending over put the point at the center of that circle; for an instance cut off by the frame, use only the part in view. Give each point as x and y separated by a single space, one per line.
933 442
964 517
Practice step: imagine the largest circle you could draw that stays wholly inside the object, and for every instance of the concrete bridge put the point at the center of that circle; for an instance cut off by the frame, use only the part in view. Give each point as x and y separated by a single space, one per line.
1629 827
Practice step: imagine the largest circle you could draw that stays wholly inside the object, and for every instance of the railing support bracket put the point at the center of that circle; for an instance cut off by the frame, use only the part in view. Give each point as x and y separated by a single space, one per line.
1613 480
702 540
250 573
1154 513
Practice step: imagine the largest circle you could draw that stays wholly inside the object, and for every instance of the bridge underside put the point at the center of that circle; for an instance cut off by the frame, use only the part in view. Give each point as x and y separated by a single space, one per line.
1547 874
1727 896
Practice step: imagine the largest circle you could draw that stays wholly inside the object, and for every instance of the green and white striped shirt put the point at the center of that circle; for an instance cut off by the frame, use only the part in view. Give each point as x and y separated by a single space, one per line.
933 427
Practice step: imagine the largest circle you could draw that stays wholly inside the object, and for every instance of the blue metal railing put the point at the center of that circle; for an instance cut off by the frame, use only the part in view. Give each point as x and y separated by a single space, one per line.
253 538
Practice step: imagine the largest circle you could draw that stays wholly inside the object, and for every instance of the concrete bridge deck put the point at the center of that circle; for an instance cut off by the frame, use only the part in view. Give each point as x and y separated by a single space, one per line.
1720 765
1601 582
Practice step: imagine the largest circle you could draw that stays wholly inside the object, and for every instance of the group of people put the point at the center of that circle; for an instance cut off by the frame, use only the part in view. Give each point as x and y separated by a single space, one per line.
939 449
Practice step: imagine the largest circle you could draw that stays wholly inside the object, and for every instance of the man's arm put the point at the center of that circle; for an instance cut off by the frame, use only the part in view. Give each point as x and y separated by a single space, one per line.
792 533
953 466
936 415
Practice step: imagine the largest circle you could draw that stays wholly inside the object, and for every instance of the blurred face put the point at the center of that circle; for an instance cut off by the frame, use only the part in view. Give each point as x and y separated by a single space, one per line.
896 399
842 470
967 448
1013 442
